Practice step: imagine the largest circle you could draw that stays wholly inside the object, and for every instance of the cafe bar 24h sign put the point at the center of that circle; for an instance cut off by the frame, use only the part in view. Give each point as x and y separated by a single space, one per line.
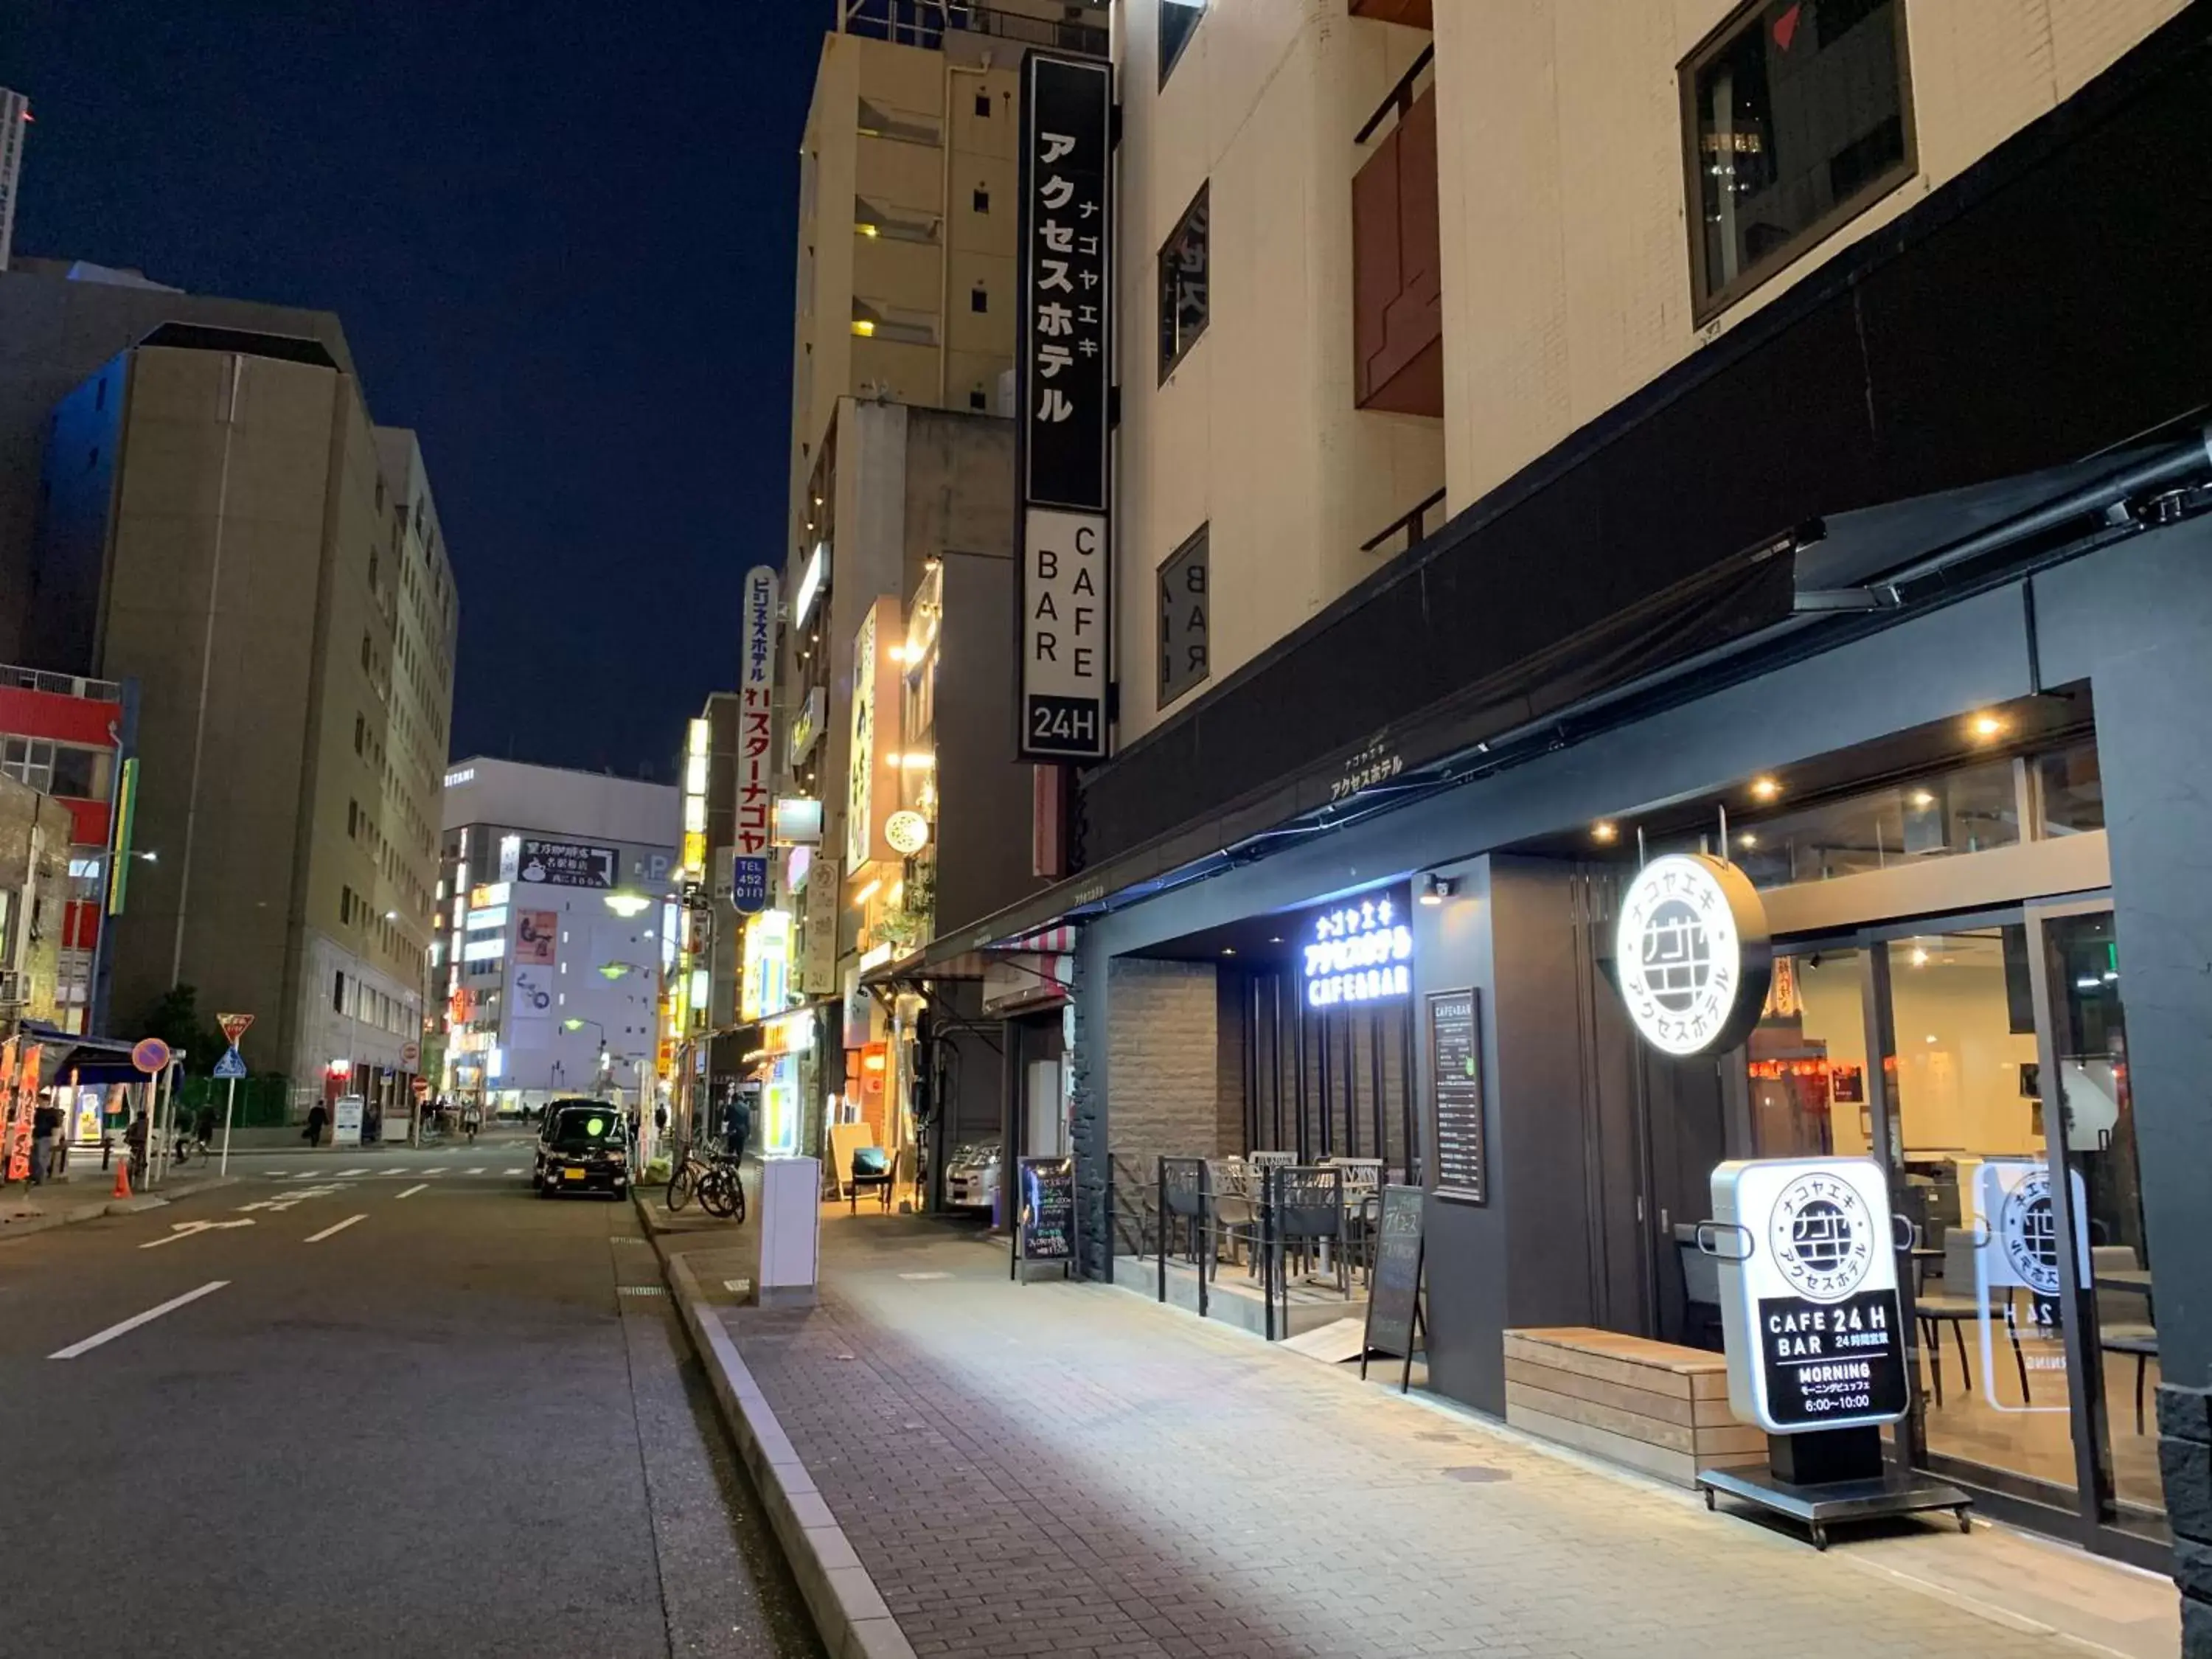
1063 350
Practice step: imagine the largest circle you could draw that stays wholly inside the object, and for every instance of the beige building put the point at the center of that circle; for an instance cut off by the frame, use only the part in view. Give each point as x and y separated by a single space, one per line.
1525 265
224 525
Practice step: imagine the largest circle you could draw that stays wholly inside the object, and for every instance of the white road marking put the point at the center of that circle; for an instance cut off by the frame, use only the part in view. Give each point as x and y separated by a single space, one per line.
136 1320
512 1172
419 1187
348 1174
317 1239
287 1200
186 1229
479 1169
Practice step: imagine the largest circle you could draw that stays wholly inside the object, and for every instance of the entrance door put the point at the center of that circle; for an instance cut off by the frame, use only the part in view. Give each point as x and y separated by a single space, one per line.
2001 1061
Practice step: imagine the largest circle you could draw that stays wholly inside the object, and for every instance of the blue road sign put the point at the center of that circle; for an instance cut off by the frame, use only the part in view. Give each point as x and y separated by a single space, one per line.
749 884
231 1065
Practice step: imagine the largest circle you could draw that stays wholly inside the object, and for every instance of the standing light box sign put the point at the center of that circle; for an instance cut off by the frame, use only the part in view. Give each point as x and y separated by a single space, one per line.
1359 952
756 794
1692 954
1063 350
1809 1310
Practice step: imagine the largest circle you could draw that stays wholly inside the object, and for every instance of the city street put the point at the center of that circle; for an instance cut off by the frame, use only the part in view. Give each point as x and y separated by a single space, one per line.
369 1402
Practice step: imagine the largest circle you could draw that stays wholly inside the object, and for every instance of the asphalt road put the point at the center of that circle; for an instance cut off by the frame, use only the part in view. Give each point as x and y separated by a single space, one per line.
444 1427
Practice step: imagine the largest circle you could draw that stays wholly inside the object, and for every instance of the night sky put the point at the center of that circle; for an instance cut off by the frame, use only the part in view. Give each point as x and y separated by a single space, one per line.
559 236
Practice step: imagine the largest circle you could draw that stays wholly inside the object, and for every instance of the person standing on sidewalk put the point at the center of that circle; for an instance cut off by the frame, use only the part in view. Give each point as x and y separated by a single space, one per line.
318 1115
46 1123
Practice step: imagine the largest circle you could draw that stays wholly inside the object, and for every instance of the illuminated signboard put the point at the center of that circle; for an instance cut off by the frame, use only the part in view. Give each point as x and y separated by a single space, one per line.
1691 955
1360 952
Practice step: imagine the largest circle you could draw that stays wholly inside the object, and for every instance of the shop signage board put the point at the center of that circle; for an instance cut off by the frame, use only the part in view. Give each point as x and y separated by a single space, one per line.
1361 951
2020 1253
1394 1295
566 863
1045 1228
872 779
754 831
1691 955
1455 1078
345 1121
1809 1309
1063 353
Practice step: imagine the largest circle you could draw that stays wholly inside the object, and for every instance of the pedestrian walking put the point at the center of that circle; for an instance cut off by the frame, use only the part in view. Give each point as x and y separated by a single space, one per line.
203 1124
471 1120
46 1124
318 1115
738 1126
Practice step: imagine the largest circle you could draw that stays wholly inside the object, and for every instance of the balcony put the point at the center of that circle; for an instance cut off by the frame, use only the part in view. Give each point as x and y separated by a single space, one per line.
933 24
1397 286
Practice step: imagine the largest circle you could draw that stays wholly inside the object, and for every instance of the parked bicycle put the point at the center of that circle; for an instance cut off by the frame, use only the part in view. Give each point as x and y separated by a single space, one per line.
714 1179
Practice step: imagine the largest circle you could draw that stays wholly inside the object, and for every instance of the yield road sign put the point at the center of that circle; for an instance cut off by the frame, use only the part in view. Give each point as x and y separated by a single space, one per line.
234 1026
231 1064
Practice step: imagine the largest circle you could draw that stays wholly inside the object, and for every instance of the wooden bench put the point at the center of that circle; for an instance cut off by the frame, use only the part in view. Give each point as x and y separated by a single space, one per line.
1650 1405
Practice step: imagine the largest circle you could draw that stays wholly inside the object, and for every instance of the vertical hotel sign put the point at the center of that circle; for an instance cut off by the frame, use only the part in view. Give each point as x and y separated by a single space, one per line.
1065 426
756 794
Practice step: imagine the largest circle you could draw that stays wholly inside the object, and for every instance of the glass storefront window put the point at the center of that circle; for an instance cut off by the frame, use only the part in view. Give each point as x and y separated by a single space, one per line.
2090 1043
2072 791
1967 811
1808 1060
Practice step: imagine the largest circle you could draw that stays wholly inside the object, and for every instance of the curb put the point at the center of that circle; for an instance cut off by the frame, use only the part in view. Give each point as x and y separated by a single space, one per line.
848 1609
95 1209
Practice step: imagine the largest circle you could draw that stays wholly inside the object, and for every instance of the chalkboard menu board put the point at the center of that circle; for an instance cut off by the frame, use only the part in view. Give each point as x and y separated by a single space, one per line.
1455 1075
1394 1295
1046 1228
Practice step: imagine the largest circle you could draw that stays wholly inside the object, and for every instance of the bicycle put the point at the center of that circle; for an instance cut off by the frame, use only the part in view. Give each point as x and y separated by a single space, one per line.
714 1180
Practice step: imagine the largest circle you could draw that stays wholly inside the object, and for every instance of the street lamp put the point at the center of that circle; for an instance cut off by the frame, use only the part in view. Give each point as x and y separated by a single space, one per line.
627 904
575 1023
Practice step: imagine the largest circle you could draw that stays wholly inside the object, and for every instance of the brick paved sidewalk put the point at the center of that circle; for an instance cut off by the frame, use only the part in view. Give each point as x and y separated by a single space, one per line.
1067 1469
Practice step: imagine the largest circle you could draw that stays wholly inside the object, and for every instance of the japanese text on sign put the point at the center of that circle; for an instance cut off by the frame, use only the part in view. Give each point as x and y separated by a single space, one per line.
756 793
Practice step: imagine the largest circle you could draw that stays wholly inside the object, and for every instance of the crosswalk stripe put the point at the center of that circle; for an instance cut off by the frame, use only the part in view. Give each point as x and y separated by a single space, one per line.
512 1172
346 1175
479 1169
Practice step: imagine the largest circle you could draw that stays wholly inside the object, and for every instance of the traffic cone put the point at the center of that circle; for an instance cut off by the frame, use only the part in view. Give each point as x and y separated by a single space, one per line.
122 1177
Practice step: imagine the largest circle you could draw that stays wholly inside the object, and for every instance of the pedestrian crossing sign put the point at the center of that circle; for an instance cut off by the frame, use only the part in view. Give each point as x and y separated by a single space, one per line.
231 1065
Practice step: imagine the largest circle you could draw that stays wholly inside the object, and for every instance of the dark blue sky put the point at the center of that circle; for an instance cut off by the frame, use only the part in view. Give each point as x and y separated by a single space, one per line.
559 236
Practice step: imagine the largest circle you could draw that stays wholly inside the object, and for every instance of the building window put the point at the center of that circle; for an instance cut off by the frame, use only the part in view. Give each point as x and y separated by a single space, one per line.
367 653
977 399
1182 284
977 299
353 819
983 105
345 907
360 733
1179 20
982 199
337 993
1185 611
76 774
1797 117
29 763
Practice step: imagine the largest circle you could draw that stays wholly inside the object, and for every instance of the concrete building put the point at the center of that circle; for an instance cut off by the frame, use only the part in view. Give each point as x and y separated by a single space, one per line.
895 679
1608 431
555 890
15 118
218 524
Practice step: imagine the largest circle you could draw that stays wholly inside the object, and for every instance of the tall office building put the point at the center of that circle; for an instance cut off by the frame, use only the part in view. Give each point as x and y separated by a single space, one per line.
222 523
557 900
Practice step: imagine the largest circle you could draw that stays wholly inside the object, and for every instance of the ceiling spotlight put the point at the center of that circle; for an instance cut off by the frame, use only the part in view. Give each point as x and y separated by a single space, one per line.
1923 798
1228 950
1919 955
1747 839
1436 890
1986 727
1605 831
1765 788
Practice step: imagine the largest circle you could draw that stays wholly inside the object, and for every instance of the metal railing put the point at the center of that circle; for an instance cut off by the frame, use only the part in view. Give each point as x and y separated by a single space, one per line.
1413 523
1400 98
66 686
928 22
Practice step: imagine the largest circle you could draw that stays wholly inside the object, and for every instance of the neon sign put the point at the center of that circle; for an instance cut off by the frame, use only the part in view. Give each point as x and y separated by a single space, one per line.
1359 953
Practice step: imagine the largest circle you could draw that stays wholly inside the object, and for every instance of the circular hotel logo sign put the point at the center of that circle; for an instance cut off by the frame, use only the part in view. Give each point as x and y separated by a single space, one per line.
2029 1228
1691 953
1822 1237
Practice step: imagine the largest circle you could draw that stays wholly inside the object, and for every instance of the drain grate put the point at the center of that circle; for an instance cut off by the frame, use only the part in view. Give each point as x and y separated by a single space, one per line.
640 1290
1476 1474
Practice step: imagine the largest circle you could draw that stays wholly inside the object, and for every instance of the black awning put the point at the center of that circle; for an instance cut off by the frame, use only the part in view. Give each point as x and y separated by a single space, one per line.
1798 592
94 1060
